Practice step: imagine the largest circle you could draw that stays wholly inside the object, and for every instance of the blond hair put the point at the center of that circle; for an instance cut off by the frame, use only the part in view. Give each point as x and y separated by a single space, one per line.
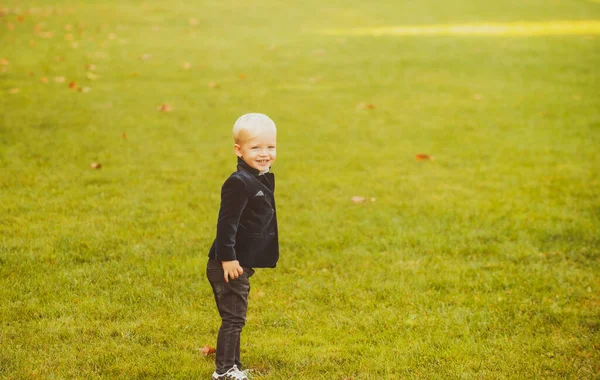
250 124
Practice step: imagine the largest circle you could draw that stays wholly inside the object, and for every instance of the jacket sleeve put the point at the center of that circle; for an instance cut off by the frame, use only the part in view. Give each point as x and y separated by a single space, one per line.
233 202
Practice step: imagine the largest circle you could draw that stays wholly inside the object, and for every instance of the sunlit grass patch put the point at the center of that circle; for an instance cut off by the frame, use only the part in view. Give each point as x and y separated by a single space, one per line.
585 27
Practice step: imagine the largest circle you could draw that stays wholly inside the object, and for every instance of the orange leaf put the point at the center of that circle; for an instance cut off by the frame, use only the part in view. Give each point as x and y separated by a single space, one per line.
4 62
96 165
44 80
212 84
242 76
424 157
358 199
72 85
187 65
165 108
207 350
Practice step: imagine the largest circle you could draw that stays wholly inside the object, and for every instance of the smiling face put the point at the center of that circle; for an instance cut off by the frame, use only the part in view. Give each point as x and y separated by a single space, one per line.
257 148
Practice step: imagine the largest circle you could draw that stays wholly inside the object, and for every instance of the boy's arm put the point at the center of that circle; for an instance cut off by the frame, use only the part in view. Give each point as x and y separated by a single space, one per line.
233 202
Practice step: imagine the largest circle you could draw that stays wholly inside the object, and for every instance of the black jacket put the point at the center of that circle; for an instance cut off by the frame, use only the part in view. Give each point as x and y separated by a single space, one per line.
247 224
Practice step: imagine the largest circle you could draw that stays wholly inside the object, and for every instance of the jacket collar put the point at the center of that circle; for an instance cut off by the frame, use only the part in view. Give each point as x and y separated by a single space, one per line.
242 165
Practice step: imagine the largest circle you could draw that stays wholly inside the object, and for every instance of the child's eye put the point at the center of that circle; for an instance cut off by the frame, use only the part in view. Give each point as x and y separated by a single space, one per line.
254 147
272 147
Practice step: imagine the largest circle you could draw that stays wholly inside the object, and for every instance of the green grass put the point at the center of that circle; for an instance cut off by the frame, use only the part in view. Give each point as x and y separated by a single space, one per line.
483 263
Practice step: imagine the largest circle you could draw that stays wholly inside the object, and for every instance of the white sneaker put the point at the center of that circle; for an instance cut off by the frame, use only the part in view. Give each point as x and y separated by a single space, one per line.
233 374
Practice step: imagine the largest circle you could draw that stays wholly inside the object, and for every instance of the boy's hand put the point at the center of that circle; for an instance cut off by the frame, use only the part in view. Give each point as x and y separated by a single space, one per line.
231 269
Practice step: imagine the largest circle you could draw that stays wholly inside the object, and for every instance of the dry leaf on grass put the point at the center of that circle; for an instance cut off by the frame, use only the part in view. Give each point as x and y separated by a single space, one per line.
207 350
424 157
361 199
96 165
165 108
366 106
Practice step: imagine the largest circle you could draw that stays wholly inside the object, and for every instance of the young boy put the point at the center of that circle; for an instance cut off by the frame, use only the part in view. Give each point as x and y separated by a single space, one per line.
246 235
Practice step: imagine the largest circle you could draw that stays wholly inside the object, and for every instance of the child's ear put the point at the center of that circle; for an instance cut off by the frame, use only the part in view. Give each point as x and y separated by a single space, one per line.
237 150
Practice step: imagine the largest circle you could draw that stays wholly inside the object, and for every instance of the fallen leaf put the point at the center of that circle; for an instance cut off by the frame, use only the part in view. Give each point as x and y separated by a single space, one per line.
242 76
90 67
85 90
20 18
96 165
424 157
367 106
69 37
358 199
146 57
4 62
165 108
207 350
124 135
91 76
72 85
59 79
13 91
44 80
134 74
68 27
477 97
212 84
187 65
193 21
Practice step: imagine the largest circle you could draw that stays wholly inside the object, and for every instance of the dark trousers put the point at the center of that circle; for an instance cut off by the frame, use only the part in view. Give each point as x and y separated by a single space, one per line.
232 302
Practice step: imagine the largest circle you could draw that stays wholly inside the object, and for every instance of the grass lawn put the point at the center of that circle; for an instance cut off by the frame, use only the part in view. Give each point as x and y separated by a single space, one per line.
483 262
